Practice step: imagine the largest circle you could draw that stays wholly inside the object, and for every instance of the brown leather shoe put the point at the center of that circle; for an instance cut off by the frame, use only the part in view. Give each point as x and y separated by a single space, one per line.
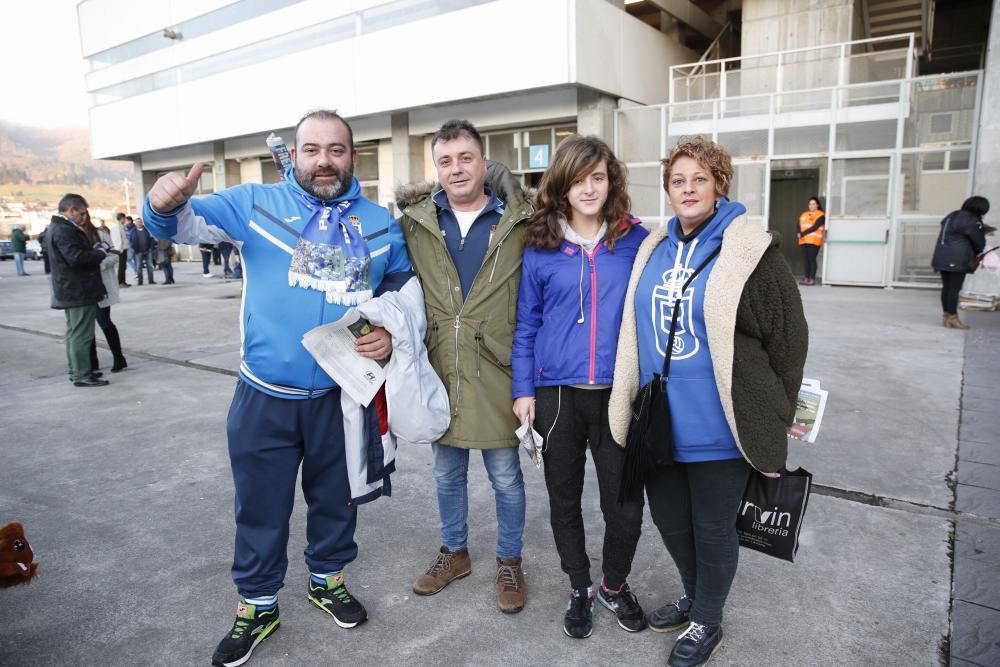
951 321
446 568
511 589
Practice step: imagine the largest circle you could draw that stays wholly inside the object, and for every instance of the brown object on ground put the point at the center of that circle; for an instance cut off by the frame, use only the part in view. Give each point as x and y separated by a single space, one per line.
951 321
446 568
511 588
17 564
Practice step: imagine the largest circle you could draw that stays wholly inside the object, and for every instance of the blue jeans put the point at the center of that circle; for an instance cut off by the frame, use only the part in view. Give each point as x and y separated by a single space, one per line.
451 474
19 263
142 260
226 250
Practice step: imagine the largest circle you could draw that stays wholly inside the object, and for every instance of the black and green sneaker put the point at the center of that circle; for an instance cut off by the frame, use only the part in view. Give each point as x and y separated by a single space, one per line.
252 626
333 597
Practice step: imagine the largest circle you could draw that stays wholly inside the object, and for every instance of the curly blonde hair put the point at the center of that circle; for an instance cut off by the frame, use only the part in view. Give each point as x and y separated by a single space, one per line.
708 154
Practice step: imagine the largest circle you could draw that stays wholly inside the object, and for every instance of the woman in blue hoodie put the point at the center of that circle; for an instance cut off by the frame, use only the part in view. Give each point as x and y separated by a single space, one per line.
736 360
579 249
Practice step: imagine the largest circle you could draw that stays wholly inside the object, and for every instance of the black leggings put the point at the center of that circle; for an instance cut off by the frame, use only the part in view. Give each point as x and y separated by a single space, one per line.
951 285
810 251
110 335
570 419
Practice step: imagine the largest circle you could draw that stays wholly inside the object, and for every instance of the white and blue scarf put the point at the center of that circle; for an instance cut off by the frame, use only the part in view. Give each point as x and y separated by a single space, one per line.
331 255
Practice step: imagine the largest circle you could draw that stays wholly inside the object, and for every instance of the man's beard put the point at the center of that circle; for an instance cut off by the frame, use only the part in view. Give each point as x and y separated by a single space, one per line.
328 191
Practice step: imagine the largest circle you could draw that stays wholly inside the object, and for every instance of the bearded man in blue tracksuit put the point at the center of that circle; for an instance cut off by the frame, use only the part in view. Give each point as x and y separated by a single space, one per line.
312 246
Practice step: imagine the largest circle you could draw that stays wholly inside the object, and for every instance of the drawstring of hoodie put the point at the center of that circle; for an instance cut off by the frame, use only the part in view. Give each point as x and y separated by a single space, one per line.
675 282
572 236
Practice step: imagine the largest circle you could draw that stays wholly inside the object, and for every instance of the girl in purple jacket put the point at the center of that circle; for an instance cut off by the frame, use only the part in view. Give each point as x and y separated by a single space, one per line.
579 250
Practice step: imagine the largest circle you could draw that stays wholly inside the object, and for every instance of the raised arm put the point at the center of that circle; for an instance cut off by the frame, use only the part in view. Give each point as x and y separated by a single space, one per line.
170 211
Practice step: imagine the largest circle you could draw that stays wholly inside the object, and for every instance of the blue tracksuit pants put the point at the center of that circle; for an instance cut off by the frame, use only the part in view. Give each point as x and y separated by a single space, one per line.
268 438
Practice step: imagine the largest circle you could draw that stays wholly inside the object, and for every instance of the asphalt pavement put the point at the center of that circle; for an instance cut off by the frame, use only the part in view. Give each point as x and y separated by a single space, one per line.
126 495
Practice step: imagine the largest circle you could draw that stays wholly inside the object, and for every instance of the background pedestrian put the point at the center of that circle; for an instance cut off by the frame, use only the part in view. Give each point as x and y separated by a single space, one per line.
961 239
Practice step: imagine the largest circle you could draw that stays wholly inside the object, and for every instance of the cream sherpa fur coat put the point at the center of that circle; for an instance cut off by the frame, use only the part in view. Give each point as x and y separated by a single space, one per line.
757 334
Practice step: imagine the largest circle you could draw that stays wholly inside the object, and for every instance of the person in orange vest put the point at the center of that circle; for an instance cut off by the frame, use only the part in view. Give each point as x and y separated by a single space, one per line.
812 229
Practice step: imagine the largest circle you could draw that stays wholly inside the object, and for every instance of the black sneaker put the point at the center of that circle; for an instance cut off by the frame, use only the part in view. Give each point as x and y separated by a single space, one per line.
696 645
578 621
334 598
251 628
672 616
625 606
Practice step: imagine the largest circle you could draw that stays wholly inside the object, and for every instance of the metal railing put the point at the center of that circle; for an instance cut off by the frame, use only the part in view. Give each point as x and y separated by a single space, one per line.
841 64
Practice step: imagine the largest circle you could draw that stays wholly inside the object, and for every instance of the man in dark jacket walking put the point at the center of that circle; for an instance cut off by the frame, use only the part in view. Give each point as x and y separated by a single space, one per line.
962 238
142 243
76 285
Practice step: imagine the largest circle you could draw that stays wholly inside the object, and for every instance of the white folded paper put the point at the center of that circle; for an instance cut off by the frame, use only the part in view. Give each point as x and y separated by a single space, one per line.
532 442
332 346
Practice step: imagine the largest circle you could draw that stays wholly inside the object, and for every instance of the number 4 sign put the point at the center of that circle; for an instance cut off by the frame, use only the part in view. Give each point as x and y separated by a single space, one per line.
538 156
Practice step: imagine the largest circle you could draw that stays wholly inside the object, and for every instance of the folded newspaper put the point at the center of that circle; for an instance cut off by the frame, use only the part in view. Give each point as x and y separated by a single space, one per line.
808 411
332 346
532 442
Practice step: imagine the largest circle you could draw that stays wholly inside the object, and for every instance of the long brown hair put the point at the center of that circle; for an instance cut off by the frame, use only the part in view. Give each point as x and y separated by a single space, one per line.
89 230
574 158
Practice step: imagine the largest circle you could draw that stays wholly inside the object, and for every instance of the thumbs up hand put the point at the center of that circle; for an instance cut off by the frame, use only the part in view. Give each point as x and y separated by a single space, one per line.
174 189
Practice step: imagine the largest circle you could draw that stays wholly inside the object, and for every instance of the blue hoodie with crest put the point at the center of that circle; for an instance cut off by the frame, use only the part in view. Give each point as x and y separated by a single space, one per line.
265 222
701 432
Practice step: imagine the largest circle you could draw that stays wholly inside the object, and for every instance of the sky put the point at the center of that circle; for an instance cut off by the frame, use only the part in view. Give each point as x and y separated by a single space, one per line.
51 92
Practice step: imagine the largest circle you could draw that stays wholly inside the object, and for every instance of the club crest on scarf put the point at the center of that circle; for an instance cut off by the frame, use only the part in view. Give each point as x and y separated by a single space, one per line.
332 256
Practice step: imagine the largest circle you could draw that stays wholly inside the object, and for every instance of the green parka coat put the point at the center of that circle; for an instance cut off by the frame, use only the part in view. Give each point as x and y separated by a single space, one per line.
469 342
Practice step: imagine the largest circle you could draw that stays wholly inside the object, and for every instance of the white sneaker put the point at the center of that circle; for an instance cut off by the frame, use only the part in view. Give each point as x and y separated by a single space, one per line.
206 275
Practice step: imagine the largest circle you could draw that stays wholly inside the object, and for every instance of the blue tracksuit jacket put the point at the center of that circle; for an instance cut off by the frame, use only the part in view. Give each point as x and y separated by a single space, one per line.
569 312
265 221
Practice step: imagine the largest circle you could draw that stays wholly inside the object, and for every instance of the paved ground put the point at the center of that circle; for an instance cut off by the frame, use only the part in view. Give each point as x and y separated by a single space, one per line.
127 497
976 607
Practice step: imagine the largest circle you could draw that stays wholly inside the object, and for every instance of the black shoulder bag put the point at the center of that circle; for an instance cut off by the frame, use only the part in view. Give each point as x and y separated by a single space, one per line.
650 440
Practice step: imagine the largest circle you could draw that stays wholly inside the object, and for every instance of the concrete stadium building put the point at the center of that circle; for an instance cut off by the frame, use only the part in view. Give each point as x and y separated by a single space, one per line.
877 106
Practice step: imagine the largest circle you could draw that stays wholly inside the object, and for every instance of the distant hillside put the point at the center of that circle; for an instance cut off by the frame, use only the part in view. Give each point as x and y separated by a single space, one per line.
59 160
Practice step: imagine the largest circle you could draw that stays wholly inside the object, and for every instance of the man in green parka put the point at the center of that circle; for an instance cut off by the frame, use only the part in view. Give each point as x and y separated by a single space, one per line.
19 246
464 239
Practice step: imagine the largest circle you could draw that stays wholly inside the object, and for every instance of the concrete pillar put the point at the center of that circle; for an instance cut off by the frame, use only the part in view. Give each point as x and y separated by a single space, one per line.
138 186
233 172
986 178
430 172
401 151
251 170
386 180
595 114
219 170
780 25
400 158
